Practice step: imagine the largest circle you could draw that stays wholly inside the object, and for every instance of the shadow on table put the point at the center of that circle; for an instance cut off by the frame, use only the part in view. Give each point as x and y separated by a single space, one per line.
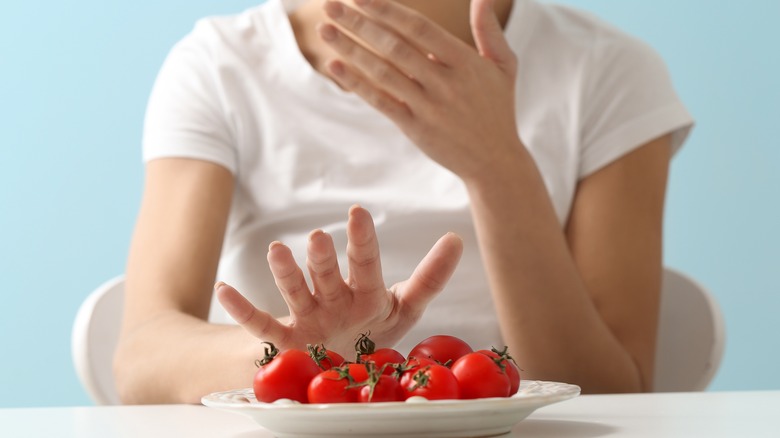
561 429
526 429
259 433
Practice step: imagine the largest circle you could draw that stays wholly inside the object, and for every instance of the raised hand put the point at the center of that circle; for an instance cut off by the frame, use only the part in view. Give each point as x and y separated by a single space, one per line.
334 310
454 102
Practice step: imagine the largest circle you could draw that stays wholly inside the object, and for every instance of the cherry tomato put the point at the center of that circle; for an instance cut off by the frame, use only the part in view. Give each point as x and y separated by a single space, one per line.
326 359
444 349
414 362
382 358
331 386
411 365
284 375
358 372
511 368
384 389
480 376
434 382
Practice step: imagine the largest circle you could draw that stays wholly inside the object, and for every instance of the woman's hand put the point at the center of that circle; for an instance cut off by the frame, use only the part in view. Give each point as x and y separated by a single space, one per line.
335 310
455 103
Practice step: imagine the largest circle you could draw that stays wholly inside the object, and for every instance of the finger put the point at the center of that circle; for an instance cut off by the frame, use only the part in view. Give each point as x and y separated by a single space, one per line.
489 36
256 322
431 274
323 267
389 41
365 269
290 280
371 66
426 35
351 80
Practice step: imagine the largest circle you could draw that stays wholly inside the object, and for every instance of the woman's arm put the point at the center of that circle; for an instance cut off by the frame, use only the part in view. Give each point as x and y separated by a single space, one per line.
578 304
167 352
582 306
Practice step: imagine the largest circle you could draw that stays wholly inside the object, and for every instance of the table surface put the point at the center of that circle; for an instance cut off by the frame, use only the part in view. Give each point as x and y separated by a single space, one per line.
704 414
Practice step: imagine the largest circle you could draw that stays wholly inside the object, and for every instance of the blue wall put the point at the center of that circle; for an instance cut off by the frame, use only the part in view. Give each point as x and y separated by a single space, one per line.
74 78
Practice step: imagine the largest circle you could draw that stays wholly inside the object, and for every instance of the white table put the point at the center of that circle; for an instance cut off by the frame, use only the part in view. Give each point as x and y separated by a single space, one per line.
707 414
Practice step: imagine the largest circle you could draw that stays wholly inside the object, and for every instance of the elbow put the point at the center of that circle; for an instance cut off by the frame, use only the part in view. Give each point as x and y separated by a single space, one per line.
134 378
124 380
629 382
139 382
625 379
614 387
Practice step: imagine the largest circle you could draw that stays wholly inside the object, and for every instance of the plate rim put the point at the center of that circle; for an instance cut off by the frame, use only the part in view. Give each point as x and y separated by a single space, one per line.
419 418
565 391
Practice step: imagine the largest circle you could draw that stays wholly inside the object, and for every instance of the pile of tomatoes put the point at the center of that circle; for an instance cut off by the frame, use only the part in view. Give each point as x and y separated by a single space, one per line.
439 367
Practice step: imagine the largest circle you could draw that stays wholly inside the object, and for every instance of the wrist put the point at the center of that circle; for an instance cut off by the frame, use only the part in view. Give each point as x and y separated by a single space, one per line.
502 170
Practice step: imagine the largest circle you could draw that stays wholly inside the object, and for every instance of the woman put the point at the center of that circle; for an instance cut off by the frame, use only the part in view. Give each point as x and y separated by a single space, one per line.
539 136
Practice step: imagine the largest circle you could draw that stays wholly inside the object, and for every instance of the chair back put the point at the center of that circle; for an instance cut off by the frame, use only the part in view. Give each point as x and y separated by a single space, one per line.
691 335
94 338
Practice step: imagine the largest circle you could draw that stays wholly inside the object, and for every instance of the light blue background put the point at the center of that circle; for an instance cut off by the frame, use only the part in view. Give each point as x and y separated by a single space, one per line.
75 76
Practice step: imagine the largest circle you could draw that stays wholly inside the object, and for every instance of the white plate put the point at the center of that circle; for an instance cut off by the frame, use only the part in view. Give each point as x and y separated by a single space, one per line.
416 417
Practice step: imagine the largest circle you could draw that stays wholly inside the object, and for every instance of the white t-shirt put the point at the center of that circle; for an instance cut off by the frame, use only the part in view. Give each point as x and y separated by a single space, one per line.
238 92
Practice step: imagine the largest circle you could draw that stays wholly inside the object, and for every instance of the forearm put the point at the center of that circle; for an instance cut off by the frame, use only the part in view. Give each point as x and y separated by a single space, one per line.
546 314
177 358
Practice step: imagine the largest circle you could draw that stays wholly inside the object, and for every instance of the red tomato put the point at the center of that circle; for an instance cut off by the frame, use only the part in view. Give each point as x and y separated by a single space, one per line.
444 349
331 386
367 352
410 365
512 370
479 376
325 358
382 357
415 362
434 382
384 389
358 372
284 375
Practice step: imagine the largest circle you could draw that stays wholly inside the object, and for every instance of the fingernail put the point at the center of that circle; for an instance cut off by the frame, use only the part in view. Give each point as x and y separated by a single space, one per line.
273 244
219 284
315 233
334 9
336 68
327 32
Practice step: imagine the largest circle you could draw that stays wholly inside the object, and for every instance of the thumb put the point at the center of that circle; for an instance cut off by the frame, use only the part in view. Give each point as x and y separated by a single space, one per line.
489 36
431 274
258 323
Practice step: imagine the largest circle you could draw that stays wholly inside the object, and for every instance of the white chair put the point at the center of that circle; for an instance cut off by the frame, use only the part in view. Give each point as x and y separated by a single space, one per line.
94 336
690 339
691 335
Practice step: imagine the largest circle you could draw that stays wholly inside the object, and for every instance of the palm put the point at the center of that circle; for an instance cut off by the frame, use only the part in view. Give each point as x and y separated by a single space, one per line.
334 311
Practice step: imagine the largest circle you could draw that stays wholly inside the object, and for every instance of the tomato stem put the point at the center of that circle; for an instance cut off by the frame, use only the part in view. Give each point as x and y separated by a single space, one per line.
269 353
318 353
420 379
504 355
343 373
372 380
364 345
400 368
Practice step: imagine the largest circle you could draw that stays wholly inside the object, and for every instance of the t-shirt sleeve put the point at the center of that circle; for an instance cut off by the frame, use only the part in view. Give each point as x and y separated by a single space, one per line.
185 116
629 100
